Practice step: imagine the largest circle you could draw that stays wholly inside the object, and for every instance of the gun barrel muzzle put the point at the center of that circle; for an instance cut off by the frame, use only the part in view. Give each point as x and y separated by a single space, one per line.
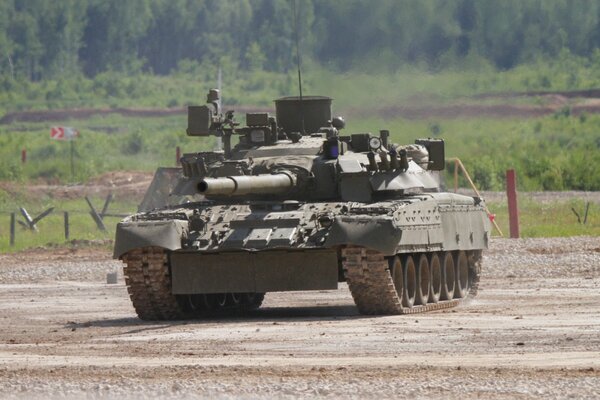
277 183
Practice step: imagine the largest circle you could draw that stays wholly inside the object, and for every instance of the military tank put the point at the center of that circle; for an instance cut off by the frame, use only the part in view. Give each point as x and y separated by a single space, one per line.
297 205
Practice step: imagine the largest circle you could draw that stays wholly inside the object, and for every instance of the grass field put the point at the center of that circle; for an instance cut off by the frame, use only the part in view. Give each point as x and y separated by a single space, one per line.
553 219
51 230
549 153
554 152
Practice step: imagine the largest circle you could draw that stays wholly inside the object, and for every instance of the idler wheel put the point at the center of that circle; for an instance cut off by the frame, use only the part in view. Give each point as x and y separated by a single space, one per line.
423 280
462 275
397 275
448 277
435 271
410 282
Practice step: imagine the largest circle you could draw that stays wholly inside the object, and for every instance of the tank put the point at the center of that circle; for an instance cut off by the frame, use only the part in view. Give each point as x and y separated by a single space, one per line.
296 204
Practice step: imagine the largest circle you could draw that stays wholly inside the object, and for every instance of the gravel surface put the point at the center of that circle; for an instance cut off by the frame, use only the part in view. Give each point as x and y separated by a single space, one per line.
577 256
62 264
533 331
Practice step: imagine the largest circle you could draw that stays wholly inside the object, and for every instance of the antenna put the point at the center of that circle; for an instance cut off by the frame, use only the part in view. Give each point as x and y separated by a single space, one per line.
298 63
219 143
219 79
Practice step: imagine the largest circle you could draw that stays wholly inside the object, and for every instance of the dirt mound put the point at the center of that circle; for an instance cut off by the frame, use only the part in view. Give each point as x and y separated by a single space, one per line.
570 94
552 103
122 184
120 178
468 111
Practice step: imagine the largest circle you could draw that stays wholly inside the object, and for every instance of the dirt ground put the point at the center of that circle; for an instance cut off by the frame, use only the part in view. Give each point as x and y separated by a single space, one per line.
533 331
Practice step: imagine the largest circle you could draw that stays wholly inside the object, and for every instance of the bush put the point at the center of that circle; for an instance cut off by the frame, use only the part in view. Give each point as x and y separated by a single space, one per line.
133 145
12 171
484 174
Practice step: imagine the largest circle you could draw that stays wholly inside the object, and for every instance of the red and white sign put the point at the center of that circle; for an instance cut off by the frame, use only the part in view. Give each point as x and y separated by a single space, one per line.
63 133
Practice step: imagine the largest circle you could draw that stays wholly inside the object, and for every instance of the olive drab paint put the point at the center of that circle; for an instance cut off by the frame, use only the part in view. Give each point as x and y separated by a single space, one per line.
283 209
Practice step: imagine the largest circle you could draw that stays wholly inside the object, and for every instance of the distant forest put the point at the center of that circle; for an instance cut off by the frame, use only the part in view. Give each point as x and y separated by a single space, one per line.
42 39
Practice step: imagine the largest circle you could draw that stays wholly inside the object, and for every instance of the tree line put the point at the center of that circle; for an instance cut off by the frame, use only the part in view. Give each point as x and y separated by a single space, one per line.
42 39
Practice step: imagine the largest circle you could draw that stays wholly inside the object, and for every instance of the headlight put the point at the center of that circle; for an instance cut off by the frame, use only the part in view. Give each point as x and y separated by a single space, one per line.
375 143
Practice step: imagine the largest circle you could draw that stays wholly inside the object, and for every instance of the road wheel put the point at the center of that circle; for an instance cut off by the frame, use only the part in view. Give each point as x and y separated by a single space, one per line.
194 303
397 275
235 299
410 281
210 302
435 270
423 280
448 277
221 300
461 264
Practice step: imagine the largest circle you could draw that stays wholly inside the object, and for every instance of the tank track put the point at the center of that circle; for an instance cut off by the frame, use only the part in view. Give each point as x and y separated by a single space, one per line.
149 284
367 273
148 280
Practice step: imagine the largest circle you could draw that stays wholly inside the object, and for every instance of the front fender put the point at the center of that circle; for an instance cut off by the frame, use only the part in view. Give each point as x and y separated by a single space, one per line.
375 233
167 234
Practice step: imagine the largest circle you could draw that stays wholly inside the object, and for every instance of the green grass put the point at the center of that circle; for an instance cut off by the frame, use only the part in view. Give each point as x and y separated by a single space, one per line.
549 219
134 144
351 89
550 153
51 229
536 220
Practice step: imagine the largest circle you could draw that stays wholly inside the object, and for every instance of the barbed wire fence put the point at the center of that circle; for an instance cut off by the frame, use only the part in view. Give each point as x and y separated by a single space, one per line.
30 220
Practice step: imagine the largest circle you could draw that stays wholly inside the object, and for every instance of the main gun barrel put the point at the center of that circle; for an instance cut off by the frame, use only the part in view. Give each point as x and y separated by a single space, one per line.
277 183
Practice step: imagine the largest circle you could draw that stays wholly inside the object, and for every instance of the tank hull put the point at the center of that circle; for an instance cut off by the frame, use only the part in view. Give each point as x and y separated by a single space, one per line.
246 249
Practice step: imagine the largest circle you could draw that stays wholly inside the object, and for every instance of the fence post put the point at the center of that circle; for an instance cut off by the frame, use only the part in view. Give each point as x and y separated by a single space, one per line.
12 229
177 155
513 209
455 175
95 216
109 198
67 225
23 156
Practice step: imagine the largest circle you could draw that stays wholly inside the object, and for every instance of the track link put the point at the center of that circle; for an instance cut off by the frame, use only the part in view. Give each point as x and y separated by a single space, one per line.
149 284
368 276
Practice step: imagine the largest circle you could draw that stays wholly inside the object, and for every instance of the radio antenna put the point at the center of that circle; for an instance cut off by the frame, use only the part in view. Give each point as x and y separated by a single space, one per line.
219 143
298 63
